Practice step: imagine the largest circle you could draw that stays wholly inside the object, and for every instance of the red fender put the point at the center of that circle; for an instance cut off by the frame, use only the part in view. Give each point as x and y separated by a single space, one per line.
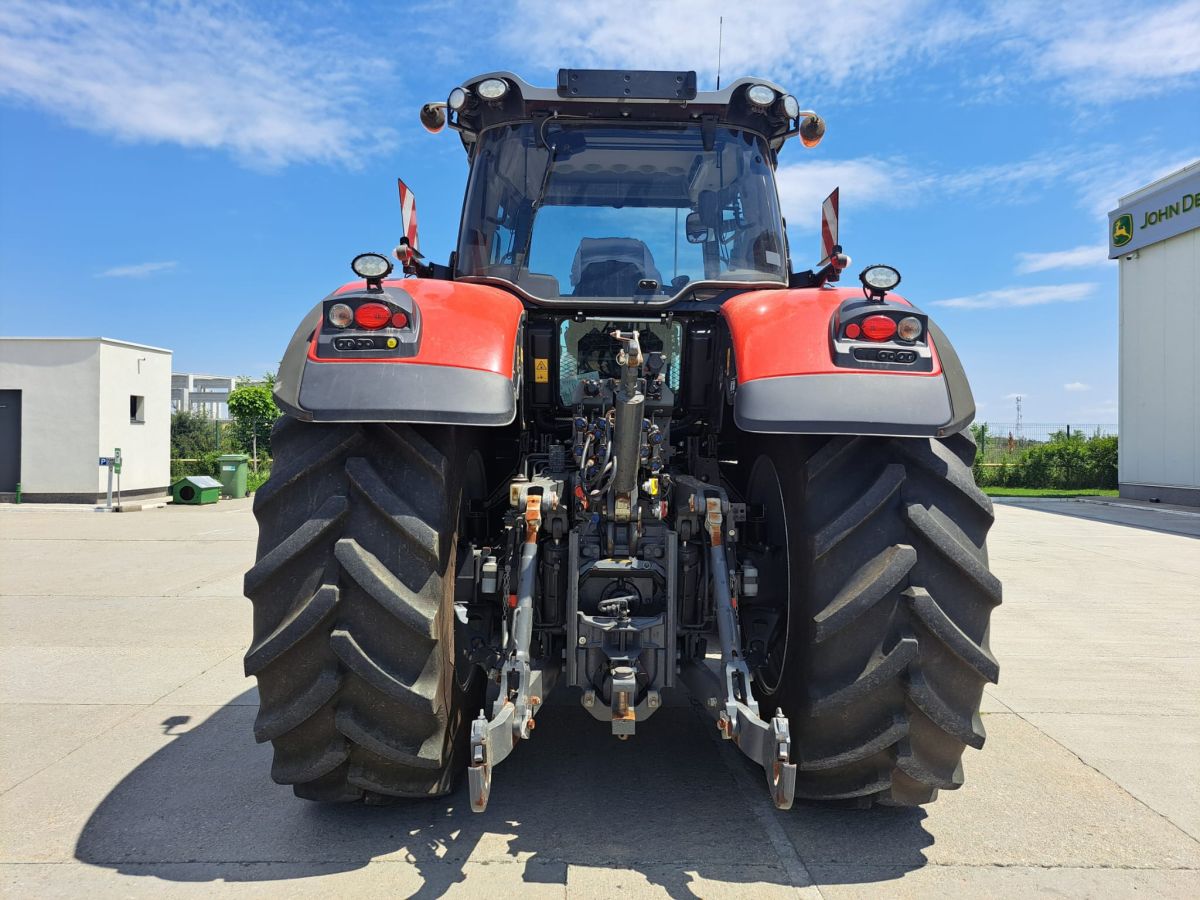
789 381
778 333
471 326
455 361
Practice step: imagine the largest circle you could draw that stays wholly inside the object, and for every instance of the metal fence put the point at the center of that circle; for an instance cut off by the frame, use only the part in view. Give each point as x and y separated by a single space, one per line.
1005 441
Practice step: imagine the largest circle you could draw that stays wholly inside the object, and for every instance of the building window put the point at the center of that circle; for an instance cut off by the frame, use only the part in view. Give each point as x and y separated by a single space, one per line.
137 408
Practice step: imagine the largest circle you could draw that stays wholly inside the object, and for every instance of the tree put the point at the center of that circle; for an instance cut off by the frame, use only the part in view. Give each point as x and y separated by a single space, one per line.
979 431
191 435
253 410
267 378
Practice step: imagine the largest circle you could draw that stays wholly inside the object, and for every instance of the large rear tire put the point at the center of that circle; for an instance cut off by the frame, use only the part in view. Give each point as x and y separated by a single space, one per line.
353 641
878 653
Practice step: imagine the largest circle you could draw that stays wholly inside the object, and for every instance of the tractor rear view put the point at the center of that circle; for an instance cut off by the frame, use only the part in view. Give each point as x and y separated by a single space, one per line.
616 446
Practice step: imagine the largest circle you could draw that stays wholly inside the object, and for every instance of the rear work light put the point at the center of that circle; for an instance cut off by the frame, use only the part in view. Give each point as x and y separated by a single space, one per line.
375 315
879 328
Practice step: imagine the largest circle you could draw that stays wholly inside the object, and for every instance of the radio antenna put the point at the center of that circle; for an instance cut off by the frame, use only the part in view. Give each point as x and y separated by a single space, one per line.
720 39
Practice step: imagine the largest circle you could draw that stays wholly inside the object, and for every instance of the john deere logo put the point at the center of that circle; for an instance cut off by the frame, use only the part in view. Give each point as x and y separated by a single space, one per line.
1122 230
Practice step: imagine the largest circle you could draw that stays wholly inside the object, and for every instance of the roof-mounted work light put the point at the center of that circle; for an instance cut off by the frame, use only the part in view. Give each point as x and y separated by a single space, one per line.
761 95
492 89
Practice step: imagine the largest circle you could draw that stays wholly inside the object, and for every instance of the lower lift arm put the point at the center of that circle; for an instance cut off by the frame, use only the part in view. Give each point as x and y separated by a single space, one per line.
521 686
729 698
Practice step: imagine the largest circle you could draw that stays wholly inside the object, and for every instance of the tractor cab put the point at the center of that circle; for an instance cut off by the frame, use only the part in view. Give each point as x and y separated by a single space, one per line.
621 187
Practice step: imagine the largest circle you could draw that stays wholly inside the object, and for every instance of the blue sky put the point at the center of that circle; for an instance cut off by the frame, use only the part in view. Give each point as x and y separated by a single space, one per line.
196 176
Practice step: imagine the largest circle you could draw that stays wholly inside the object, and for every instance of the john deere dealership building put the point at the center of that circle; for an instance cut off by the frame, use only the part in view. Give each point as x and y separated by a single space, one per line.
1155 233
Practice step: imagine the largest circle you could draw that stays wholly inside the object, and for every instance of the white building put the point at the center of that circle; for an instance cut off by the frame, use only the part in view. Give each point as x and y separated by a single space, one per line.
66 402
207 394
1155 232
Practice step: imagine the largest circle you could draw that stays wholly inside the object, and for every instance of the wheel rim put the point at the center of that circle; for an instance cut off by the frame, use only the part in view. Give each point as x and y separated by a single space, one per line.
770 557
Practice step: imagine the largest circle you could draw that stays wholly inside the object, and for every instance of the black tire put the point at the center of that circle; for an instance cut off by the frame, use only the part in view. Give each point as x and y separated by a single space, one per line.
881 659
353 641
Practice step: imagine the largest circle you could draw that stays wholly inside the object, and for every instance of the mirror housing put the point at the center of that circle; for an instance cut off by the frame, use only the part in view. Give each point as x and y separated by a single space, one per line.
812 129
433 117
695 229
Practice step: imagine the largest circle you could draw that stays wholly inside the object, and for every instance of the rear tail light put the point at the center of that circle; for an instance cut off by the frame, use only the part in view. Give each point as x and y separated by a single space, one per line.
340 315
399 320
879 328
374 315
852 330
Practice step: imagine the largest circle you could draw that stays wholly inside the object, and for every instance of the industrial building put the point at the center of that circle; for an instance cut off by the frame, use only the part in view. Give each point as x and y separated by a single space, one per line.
1155 233
205 394
66 403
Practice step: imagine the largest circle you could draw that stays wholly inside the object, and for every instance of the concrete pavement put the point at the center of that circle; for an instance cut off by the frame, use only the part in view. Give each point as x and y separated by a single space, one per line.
127 765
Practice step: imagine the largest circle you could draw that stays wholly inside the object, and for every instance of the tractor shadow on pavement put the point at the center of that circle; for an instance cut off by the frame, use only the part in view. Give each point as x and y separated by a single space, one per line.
665 804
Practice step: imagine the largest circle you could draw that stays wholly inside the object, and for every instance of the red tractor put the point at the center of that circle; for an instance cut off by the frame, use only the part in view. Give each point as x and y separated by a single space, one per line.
616 445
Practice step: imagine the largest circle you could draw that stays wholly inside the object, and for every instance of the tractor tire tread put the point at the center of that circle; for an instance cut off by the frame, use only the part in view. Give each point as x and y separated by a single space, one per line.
894 597
353 643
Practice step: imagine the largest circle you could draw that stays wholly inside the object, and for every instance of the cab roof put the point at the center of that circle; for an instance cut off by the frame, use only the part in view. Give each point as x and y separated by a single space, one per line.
636 96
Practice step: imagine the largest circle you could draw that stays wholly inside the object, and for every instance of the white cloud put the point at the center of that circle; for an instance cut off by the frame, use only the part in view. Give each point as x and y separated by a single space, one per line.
211 77
1015 395
1007 179
1021 296
1114 172
826 42
1086 54
138 270
1098 175
864 182
1077 258
1106 56
1076 387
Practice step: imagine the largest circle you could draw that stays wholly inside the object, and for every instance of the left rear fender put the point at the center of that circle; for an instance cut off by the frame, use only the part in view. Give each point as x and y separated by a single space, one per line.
454 364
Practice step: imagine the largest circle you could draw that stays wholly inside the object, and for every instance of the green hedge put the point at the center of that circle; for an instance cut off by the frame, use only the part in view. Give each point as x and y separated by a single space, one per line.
255 480
1064 461
205 464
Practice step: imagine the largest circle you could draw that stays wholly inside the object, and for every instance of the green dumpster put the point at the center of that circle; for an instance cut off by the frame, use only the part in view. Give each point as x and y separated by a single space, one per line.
233 469
196 489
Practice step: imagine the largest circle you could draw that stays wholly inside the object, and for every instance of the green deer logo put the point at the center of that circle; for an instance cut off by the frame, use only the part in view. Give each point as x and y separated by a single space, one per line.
1122 230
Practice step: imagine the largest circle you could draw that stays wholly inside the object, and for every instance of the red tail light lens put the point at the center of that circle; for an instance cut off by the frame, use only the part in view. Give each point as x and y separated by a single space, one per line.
852 330
376 315
399 320
879 328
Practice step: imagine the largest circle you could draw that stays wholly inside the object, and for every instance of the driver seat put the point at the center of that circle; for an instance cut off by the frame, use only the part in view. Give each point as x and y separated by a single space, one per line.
611 267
